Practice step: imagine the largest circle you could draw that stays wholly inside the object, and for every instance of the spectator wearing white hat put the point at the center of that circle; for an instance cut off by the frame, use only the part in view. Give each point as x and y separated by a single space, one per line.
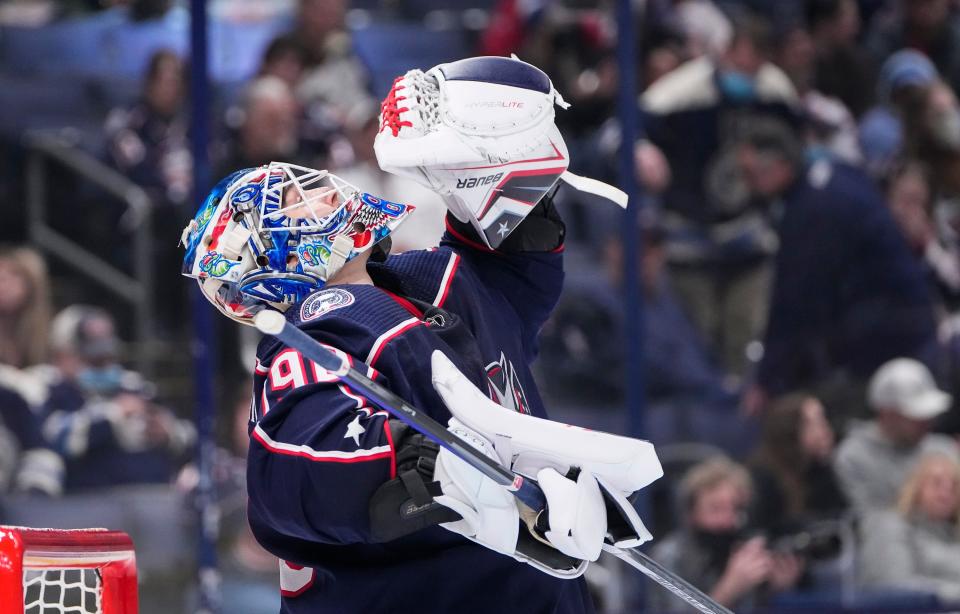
874 460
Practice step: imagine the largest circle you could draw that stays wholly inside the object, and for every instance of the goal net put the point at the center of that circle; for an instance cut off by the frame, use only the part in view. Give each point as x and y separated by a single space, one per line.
51 571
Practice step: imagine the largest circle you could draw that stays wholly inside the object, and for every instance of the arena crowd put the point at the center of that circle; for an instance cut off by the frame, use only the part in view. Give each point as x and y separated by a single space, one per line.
800 269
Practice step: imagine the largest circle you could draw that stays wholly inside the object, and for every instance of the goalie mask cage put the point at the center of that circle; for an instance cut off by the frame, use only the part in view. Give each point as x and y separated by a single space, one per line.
52 571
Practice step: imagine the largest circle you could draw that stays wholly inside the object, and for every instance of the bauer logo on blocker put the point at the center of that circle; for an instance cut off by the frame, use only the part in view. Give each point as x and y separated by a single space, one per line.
323 302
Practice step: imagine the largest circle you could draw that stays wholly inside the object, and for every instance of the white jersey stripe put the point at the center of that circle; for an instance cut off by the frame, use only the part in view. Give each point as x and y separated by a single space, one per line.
446 280
333 456
387 336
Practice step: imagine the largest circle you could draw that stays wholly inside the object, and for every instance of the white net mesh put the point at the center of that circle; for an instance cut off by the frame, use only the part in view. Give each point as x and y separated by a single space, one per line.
61 591
425 98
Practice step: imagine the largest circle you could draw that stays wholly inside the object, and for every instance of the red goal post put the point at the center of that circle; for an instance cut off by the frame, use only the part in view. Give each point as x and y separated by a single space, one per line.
53 570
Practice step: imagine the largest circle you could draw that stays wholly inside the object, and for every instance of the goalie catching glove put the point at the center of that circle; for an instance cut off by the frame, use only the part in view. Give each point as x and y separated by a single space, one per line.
585 476
480 132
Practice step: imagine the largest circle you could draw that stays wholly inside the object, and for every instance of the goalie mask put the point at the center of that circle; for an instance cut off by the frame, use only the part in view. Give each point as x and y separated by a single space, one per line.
480 132
273 235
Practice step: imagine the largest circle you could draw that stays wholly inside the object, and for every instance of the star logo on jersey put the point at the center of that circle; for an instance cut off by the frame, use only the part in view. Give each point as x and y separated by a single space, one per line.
504 386
354 430
504 229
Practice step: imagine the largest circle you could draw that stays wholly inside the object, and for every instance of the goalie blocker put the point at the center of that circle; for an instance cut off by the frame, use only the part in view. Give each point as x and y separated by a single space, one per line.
586 477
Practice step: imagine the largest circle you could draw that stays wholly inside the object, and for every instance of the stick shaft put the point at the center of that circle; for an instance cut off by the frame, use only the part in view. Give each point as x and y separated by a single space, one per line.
667 579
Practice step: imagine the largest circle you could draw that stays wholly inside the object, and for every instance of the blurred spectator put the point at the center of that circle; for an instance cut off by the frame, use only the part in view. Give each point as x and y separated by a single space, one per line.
688 396
147 141
660 62
901 88
917 545
910 196
353 159
932 134
875 458
507 27
719 242
101 418
285 58
24 322
27 464
24 307
843 69
706 29
268 127
713 550
847 294
694 27
792 467
573 45
334 77
830 128
929 26
575 49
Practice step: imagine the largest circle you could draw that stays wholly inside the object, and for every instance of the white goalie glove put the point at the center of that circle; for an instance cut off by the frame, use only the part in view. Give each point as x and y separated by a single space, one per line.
585 476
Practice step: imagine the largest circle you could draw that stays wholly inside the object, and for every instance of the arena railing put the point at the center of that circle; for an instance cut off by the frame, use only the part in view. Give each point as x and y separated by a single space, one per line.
136 287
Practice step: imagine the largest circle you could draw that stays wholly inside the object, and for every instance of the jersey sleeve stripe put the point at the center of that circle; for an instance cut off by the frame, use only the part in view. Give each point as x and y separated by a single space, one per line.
468 242
385 338
321 456
359 400
260 369
447 280
393 449
410 307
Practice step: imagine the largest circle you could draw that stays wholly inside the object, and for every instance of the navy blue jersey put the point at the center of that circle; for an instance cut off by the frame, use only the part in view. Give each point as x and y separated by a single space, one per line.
319 450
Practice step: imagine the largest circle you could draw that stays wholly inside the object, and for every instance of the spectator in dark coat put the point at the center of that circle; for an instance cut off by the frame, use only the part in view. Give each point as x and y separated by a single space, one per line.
848 294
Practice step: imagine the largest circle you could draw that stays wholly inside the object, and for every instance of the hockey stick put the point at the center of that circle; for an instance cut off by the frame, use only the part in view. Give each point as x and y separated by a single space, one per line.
273 323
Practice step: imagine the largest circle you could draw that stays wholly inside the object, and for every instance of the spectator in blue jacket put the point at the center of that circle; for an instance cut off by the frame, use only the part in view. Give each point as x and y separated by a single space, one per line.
848 294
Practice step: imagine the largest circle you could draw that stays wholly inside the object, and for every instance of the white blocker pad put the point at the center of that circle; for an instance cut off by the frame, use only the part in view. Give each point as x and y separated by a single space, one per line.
527 444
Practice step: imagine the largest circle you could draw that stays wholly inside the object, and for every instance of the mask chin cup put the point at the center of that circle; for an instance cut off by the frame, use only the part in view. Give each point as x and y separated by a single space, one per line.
278 288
